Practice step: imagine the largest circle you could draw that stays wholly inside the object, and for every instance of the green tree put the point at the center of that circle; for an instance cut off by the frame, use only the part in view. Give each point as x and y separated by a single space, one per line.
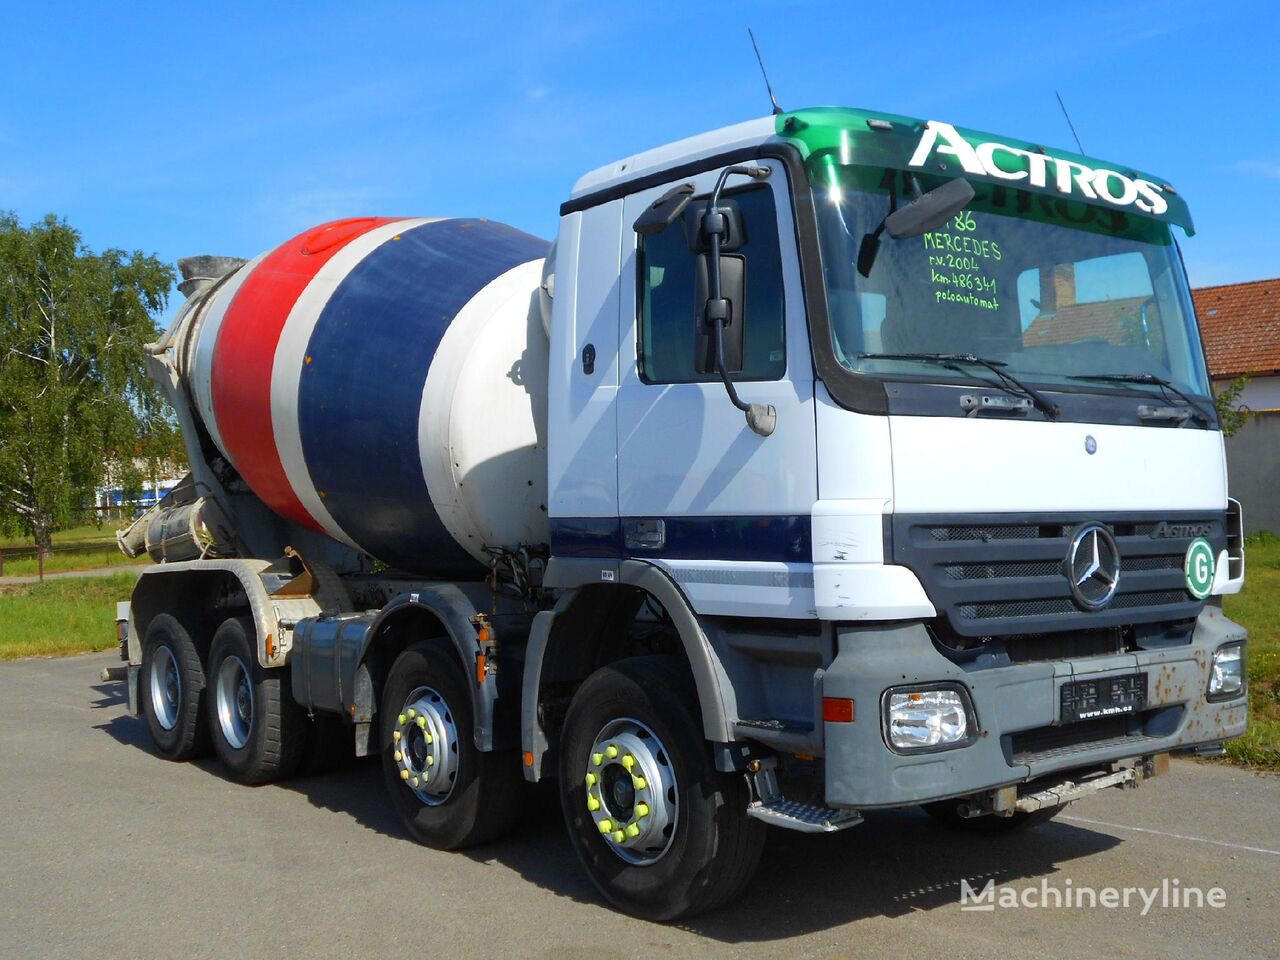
75 400
1230 413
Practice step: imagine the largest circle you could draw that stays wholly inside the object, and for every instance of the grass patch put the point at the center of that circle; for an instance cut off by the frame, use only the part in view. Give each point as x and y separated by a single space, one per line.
73 560
1257 608
86 533
59 617
86 547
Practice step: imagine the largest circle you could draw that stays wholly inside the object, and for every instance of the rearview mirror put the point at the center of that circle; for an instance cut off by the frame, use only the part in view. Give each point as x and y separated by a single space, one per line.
929 211
732 304
663 212
727 220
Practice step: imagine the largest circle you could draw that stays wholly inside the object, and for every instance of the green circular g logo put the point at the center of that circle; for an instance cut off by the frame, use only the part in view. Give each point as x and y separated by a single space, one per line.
1199 568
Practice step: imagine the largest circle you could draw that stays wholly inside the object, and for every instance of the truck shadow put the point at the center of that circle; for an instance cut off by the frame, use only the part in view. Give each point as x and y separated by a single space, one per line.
896 862
110 694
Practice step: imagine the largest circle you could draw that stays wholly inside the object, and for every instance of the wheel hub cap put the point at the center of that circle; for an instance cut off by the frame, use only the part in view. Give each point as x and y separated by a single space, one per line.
631 791
166 687
233 693
425 746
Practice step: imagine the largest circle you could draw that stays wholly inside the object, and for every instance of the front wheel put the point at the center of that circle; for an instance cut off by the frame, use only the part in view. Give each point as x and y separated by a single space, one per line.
660 831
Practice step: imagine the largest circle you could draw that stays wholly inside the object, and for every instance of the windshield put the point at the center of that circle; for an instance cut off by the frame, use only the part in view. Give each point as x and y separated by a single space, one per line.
1052 288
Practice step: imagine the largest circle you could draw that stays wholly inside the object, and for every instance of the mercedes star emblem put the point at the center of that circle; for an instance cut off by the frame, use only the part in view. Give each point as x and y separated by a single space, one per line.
1092 566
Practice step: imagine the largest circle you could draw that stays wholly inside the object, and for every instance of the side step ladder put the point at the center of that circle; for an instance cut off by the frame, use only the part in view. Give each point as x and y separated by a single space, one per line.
772 807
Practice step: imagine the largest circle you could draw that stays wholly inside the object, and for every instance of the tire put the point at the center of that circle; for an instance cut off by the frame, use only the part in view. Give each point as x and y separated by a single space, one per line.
258 731
171 691
711 848
466 797
989 825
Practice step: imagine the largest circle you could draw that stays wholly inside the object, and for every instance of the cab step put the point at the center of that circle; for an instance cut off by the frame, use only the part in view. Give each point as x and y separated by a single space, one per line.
772 807
805 817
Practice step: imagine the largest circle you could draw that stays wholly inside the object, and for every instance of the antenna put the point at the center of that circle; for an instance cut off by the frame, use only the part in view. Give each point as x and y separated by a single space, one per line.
768 86
1069 123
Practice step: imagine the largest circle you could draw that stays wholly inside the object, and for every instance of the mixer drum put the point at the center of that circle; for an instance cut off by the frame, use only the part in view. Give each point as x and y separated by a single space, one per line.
383 381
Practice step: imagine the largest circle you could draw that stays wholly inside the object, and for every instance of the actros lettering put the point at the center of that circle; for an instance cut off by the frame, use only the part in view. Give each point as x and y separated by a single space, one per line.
1068 176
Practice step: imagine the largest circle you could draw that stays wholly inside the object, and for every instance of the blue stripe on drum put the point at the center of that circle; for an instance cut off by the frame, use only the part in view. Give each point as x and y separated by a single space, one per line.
381 326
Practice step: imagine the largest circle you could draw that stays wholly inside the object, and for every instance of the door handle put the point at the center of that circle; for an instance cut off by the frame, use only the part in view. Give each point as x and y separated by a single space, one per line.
644 533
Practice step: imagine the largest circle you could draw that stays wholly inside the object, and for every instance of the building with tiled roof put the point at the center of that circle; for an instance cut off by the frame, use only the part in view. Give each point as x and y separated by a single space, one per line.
1240 323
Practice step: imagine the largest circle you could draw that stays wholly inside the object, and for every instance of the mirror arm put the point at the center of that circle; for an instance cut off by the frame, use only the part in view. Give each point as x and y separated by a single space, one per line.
761 418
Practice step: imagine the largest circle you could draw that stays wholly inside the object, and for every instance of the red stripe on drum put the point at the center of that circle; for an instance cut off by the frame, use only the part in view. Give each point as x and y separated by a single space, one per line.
245 353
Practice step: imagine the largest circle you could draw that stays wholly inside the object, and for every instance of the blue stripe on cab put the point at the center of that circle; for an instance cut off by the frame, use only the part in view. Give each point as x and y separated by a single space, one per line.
758 538
361 389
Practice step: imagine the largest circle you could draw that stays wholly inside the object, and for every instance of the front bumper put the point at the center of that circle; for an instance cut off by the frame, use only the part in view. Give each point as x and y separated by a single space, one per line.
1020 736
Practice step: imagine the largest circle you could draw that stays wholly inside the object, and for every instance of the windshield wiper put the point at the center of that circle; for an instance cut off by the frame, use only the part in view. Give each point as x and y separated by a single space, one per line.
951 360
1150 379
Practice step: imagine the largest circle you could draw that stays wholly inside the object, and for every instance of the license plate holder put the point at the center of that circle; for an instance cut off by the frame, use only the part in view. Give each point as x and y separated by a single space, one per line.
1102 697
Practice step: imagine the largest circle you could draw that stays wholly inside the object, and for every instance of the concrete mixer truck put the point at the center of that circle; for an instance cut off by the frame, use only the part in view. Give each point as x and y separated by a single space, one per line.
826 463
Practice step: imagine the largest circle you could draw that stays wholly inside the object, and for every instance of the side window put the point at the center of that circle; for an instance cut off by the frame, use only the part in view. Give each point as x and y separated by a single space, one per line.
667 292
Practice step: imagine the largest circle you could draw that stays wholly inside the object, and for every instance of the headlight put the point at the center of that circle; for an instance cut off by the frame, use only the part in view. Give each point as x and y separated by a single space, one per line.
927 718
1226 675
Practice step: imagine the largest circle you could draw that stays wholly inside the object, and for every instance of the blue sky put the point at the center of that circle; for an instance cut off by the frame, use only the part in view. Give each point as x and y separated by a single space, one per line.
226 128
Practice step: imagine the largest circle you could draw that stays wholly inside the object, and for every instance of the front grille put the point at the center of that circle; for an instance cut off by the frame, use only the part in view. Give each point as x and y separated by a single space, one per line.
1064 606
1044 568
993 571
1076 645
993 576
983 533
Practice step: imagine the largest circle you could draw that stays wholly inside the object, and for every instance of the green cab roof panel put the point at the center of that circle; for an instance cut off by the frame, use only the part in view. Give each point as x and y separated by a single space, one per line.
838 136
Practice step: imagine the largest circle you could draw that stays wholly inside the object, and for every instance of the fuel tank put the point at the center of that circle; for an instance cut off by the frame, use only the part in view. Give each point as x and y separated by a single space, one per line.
383 381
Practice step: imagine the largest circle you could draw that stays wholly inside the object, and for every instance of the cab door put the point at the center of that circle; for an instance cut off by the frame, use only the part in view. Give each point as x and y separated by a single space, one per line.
698 491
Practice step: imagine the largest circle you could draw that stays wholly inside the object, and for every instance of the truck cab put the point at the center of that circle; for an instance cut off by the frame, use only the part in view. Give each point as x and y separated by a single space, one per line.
985 542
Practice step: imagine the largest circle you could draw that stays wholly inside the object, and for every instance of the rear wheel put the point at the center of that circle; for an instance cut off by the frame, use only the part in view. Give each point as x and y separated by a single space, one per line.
660 831
989 825
172 689
448 794
258 730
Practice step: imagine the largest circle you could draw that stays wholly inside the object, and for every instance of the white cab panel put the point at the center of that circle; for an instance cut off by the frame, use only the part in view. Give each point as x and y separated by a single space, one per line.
684 449
854 458
962 465
869 591
740 588
583 475
848 531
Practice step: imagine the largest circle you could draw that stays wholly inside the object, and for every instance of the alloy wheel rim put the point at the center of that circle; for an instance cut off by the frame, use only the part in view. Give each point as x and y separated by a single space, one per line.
424 745
234 701
632 797
166 687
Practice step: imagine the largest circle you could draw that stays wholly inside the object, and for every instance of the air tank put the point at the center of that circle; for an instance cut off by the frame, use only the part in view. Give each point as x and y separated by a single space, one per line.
383 381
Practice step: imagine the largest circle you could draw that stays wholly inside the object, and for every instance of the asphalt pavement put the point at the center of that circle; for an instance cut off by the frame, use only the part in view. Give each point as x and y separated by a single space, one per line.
110 851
